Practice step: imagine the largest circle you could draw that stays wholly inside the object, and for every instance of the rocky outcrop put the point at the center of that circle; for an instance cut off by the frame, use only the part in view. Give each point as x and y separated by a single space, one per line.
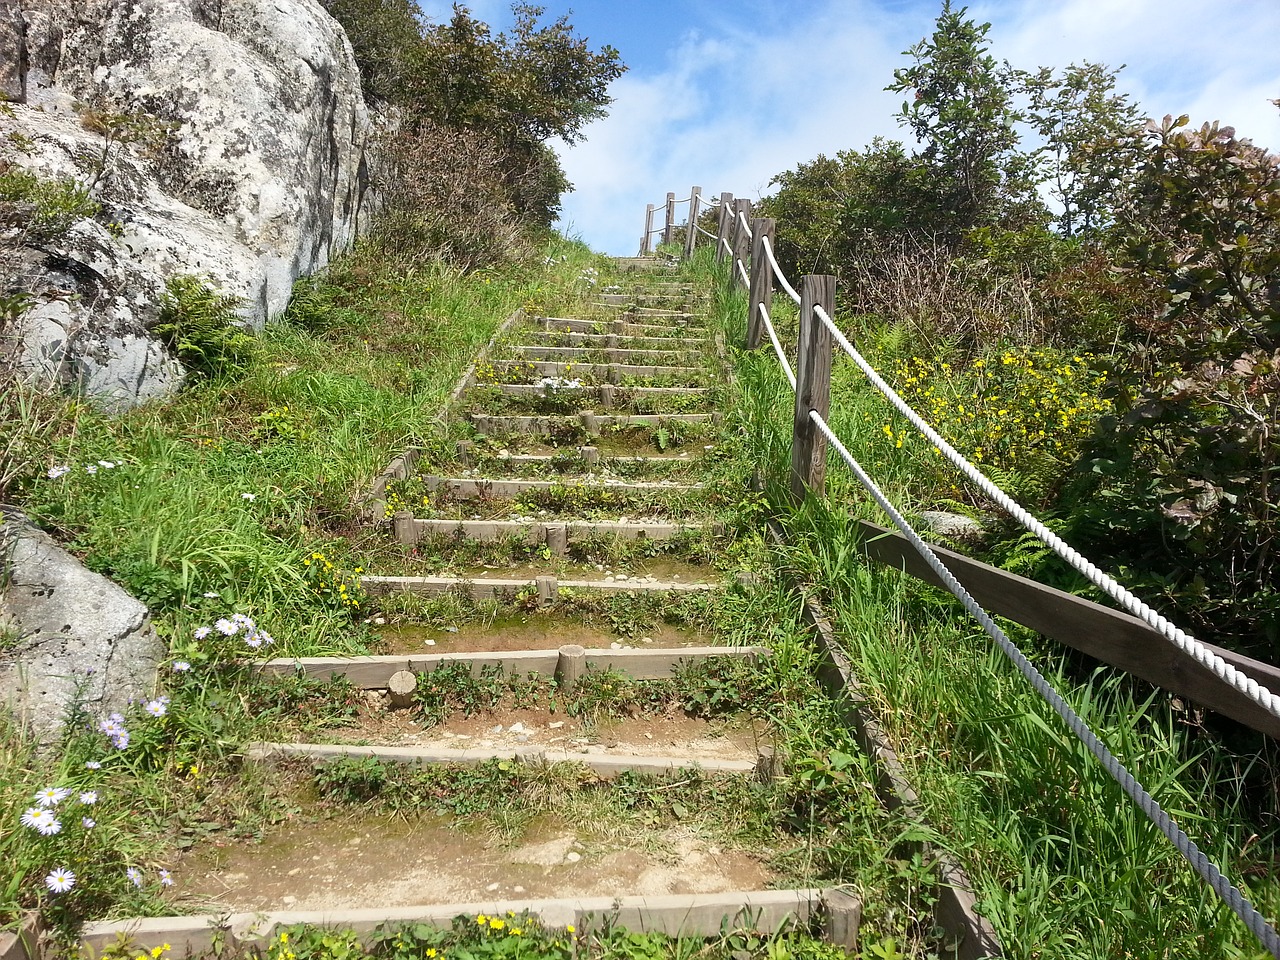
70 637
222 138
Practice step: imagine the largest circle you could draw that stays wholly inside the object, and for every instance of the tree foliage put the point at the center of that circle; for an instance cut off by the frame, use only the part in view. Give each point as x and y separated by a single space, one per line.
495 99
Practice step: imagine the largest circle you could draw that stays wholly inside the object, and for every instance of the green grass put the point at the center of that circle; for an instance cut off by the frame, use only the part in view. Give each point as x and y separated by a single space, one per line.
1064 865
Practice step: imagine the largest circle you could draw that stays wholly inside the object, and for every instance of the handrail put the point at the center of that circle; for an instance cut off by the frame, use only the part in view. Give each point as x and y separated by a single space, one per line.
820 318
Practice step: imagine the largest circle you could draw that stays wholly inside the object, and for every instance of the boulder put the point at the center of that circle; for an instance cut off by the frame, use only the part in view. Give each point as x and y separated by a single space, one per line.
952 526
69 636
222 138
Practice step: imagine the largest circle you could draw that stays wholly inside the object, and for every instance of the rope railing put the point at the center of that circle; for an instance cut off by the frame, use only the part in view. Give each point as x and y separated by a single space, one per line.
1133 604
1206 868
811 382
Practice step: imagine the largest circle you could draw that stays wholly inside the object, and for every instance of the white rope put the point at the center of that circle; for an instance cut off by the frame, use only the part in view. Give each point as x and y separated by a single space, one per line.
742 271
725 244
777 272
1207 869
777 347
742 219
1183 641
706 233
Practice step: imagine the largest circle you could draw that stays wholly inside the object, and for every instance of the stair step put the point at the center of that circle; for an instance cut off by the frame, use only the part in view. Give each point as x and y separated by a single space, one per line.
612 372
464 488
607 354
591 423
613 340
409 530
676 915
607 396
489 588
375 672
622 328
604 766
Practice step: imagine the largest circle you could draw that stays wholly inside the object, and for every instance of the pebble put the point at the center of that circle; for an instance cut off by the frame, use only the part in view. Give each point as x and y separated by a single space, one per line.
429 642
556 725
288 900
615 646
608 579
646 639
380 621
516 728
517 889
497 729
450 629
492 887
572 856
295 871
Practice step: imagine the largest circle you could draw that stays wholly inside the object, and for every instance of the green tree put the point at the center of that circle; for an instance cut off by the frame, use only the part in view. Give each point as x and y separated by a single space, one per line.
1091 141
961 111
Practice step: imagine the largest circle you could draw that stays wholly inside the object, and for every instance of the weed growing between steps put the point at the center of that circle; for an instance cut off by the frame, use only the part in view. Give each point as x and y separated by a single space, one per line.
1063 864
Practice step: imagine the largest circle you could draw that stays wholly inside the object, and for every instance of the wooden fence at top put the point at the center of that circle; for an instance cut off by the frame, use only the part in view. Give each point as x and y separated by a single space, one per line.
1106 634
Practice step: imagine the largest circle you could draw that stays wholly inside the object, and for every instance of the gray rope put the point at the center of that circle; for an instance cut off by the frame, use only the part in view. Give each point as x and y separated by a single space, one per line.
1133 604
777 347
777 272
1209 871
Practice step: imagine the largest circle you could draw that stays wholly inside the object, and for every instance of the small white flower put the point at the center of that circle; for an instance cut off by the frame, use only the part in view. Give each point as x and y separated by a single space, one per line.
226 627
60 880
181 666
210 595
249 496
165 878
91 468
92 765
134 875
56 472
107 464
89 822
156 708
52 796
202 632
89 797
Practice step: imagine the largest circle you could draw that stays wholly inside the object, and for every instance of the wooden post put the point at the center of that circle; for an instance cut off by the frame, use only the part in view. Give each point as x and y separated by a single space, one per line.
466 453
557 535
548 588
591 455
761 279
401 687
813 387
726 221
691 232
741 241
571 666
669 227
645 249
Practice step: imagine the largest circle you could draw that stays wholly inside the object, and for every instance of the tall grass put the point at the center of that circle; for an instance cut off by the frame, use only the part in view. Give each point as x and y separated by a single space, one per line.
1063 863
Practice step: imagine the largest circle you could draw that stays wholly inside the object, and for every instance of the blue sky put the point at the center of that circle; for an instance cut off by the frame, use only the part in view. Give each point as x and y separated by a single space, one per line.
726 94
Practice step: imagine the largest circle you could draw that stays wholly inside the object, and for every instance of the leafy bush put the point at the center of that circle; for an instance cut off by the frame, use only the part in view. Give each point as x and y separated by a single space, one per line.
202 328
43 210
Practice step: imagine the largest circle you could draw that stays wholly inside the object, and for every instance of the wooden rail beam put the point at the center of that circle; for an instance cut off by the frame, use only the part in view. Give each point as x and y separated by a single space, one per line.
1108 635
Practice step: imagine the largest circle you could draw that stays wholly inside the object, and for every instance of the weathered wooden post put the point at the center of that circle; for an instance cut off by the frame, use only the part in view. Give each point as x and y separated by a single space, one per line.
722 230
648 231
691 232
761 279
741 237
813 387
669 227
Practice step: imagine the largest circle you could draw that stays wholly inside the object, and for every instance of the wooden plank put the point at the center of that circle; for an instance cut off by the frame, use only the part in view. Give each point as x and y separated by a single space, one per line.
1108 635
487 530
552 424
608 354
466 488
490 588
551 368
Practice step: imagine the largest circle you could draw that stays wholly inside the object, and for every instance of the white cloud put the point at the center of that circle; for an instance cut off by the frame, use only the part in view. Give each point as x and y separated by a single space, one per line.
731 111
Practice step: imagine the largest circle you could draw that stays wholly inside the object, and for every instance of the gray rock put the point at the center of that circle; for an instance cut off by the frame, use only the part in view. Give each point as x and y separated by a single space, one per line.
70 635
955 526
254 171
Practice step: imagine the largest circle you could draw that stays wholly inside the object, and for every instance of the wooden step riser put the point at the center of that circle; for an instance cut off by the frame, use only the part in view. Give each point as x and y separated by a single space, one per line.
700 915
623 328
613 341
594 355
509 590
462 488
589 423
606 393
612 373
374 673
590 456
556 536
604 766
